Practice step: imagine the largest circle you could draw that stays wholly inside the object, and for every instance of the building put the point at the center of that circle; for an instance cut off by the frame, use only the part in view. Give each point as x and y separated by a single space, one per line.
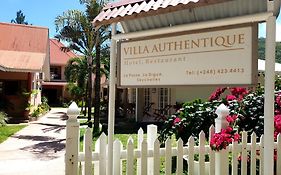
55 89
24 63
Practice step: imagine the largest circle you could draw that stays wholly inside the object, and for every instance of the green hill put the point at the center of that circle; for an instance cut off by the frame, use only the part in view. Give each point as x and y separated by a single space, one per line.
261 50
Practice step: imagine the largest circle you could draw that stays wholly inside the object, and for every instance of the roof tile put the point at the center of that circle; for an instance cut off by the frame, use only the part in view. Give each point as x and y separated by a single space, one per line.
125 8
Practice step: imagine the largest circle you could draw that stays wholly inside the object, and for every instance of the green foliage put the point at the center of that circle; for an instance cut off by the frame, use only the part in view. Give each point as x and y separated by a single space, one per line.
199 115
3 118
261 50
75 27
20 18
41 109
192 118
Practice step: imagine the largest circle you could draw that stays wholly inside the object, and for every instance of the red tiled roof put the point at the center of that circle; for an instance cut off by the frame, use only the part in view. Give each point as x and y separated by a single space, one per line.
130 9
21 61
57 56
22 47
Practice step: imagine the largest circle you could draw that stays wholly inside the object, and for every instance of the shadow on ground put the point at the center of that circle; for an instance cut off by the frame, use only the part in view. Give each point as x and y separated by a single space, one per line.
33 138
52 127
61 115
46 150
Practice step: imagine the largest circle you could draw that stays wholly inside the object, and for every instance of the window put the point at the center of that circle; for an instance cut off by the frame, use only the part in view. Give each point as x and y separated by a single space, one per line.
163 98
55 72
147 97
11 87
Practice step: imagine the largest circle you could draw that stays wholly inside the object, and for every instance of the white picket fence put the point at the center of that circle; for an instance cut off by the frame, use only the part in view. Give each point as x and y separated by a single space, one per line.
149 158
146 159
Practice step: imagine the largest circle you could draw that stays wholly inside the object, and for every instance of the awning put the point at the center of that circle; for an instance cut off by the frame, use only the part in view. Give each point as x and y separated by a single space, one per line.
16 61
53 83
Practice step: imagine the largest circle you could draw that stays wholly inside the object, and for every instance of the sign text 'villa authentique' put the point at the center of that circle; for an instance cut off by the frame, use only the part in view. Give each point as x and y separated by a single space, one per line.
225 57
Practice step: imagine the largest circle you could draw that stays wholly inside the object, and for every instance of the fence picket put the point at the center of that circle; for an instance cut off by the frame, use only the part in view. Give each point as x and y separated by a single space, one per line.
130 156
244 155
143 158
140 139
156 157
212 153
151 137
191 156
180 157
116 157
261 154
202 141
121 161
97 163
144 152
102 155
234 168
253 154
88 151
168 157
278 149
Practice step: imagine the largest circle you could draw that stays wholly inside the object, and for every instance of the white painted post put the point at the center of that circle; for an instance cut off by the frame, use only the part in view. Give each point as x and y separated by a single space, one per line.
168 157
151 137
140 140
130 156
88 139
72 140
221 157
212 153
116 157
269 90
111 103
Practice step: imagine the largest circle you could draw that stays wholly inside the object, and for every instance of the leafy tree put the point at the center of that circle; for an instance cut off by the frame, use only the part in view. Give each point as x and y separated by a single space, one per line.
75 27
261 50
20 18
76 75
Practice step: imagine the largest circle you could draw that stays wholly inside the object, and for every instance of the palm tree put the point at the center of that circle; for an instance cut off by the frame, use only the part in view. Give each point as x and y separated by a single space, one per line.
75 27
20 18
76 75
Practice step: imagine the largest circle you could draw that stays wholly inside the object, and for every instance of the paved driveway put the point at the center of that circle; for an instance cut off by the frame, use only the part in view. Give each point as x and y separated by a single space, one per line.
38 149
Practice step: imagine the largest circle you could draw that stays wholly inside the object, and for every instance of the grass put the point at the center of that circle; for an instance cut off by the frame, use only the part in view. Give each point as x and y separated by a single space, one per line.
124 138
8 130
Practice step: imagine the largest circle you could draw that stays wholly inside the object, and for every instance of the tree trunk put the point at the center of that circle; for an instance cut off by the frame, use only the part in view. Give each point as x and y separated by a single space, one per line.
86 103
97 90
90 64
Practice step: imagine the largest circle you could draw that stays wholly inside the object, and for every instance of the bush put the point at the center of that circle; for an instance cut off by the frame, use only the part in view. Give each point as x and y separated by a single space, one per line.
189 120
198 115
41 109
3 118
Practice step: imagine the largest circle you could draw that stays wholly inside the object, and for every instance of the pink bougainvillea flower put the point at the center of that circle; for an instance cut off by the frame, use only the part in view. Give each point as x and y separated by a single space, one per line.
239 92
236 137
231 118
230 97
177 120
278 99
216 95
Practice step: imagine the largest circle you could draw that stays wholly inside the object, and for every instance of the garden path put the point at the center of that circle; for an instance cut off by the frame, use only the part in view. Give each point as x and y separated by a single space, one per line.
38 149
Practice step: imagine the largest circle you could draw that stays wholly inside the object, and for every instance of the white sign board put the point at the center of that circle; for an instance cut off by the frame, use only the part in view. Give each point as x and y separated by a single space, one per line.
221 57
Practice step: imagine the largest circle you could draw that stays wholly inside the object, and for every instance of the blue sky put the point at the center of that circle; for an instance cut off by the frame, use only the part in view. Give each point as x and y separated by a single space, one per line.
37 12
43 13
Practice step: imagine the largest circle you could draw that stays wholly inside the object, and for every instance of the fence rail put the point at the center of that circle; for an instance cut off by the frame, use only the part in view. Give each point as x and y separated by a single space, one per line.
149 158
244 156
